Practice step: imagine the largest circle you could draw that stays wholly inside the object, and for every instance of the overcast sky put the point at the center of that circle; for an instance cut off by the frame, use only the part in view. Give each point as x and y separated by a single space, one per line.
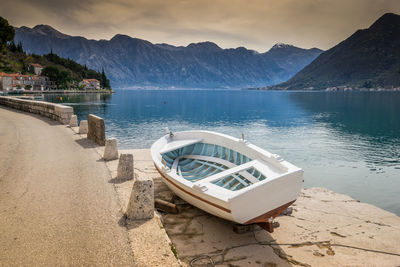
255 24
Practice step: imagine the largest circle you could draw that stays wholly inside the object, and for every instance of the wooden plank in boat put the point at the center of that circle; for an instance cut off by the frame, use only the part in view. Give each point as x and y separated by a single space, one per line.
176 144
228 164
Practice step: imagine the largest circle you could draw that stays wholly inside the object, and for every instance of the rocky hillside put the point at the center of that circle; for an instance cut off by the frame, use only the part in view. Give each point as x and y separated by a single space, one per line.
135 62
368 58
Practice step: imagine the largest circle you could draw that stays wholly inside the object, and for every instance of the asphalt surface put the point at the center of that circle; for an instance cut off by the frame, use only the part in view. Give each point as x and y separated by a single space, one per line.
57 206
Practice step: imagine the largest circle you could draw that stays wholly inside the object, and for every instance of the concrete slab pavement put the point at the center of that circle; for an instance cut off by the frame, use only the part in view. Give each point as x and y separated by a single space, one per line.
56 205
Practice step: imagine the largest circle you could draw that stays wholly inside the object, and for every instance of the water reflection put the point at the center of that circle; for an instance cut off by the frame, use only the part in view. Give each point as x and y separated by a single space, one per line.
370 117
366 113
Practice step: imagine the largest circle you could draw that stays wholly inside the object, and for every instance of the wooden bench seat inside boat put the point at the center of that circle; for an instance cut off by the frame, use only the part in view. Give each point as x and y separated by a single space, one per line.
202 163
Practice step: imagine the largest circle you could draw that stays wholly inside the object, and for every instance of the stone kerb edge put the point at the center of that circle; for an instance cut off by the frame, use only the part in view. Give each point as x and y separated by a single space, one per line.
56 112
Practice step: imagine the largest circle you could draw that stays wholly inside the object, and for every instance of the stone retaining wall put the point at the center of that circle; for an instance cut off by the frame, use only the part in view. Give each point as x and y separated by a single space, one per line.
96 130
53 111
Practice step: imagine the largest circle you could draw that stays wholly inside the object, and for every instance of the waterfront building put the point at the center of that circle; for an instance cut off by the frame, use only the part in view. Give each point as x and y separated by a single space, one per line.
90 84
18 81
5 81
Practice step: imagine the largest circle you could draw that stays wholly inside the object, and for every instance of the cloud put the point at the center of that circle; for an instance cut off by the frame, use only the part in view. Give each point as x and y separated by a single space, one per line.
256 24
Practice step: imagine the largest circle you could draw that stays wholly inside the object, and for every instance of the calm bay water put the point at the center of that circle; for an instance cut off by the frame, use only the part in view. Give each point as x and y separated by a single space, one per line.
347 142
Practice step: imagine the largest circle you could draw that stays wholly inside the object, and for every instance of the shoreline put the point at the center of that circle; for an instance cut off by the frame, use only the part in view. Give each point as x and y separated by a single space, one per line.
22 93
332 89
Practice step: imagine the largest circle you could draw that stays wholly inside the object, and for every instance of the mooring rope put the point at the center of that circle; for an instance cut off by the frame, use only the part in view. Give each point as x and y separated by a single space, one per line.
200 258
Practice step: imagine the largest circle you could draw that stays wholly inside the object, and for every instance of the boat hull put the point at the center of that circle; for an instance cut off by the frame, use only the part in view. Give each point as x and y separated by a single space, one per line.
256 203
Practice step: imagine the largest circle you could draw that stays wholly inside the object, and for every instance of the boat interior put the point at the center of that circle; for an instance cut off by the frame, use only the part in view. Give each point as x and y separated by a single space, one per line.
199 161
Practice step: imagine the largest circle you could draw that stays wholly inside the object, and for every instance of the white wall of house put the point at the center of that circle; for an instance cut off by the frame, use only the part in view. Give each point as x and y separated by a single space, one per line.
6 83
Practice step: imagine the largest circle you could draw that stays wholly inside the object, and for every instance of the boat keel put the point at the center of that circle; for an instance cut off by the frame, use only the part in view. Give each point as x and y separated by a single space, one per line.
266 220
268 226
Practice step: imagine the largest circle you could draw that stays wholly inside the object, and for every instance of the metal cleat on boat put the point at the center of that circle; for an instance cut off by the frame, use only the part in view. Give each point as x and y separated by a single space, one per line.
244 140
167 131
277 157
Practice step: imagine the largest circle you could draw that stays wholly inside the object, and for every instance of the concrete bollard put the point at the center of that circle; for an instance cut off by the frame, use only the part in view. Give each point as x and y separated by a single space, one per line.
73 122
83 127
96 130
111 149
125 167
141 202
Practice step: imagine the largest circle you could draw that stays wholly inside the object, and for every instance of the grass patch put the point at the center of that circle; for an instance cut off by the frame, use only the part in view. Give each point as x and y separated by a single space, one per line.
173 249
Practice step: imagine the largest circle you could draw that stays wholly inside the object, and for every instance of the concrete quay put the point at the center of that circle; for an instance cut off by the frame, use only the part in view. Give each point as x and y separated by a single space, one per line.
57 207
324 229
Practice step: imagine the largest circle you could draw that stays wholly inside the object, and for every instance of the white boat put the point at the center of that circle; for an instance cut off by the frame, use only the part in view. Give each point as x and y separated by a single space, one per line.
226 176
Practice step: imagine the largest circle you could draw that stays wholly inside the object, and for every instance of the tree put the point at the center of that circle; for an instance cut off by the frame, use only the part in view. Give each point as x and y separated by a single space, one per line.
19 47
13 48
52 73
64 79
103 78
104 82
7 32
367 84
61 77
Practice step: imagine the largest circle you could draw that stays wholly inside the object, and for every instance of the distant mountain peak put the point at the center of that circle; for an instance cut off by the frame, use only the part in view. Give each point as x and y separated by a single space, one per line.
48 30
44 27
281 45
204 47
120 37
387 17
388 20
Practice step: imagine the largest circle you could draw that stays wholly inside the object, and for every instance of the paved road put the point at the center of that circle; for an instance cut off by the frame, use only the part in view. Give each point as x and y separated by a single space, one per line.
56 205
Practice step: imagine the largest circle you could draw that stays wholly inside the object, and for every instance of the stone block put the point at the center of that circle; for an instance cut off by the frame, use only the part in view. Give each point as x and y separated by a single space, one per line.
63 113
111 149
96 130
73 122
83 127
125 167
141 202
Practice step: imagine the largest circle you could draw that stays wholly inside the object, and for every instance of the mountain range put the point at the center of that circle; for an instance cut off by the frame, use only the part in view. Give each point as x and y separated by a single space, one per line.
133 62
369 58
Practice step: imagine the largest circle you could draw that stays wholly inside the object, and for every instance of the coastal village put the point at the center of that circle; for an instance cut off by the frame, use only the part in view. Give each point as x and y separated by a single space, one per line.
34 81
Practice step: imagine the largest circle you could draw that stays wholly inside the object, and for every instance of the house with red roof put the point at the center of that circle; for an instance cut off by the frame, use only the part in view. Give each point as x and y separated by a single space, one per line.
35 68
90 84
18 81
